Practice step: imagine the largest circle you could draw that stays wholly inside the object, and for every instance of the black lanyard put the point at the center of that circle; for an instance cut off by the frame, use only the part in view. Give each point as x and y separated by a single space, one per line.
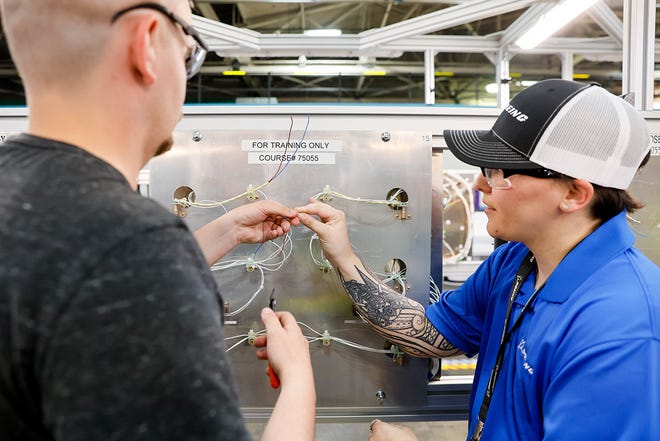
526 267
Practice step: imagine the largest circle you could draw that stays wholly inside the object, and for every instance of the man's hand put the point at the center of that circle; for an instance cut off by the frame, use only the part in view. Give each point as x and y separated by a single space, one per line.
284 346
287 351
252 223
262 221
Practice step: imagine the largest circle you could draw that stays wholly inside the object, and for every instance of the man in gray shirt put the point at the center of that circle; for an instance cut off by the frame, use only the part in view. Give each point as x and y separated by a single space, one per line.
110 320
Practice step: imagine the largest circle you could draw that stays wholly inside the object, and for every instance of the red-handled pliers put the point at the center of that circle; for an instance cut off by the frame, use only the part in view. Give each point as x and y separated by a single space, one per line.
274 381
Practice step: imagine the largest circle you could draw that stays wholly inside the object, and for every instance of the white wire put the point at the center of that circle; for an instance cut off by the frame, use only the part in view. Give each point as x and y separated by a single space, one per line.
323 263
245 337
361 347
284 251
434 293
311 339
237 344
235 336
271 262
314 338
451 251
254 296
310 328
399 277
186 202
326 194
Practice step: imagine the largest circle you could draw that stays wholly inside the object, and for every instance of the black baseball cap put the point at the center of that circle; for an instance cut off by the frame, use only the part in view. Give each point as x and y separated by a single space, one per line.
576 129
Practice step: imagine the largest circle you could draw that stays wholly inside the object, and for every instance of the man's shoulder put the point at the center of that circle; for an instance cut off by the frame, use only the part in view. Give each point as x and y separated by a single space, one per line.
73 202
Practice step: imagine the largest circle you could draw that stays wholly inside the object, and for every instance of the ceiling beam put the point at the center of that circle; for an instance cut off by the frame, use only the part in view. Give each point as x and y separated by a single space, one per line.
607 20
392 41
272 19
386 15
282 45
443 19
207 11
524 23
214 30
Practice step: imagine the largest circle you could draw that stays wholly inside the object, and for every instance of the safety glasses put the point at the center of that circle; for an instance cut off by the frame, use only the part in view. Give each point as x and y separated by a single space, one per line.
498 178
196 53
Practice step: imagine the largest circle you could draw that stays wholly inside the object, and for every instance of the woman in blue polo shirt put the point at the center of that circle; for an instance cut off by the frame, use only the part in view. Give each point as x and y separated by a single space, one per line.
565 317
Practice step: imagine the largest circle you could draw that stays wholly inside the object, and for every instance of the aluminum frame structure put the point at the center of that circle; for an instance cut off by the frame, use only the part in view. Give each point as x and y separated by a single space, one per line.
633 40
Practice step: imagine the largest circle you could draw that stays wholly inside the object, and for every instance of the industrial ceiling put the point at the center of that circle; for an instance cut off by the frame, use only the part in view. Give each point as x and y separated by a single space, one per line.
260 53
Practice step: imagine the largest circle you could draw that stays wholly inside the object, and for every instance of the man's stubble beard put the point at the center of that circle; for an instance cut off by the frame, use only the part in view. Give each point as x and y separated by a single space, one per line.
165 146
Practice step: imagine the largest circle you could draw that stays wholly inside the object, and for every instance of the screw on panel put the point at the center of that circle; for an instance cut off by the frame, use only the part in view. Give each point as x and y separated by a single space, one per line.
381 396
197 136
386 136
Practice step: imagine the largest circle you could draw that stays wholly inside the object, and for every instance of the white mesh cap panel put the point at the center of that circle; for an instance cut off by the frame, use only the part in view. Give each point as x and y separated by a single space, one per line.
640 134
605 150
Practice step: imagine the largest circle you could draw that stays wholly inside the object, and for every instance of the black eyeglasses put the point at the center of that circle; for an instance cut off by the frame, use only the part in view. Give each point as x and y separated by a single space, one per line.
497 177
197 53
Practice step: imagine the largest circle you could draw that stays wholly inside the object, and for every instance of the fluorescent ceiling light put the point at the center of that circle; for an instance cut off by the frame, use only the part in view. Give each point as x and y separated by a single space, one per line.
323 32
555 19
492 88
374 73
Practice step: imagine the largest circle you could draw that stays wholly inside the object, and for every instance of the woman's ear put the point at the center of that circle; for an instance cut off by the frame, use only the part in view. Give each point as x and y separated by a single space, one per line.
142 49
578 195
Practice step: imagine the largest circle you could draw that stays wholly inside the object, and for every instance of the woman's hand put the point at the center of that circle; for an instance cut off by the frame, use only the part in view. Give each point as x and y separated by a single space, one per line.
381 431
330 228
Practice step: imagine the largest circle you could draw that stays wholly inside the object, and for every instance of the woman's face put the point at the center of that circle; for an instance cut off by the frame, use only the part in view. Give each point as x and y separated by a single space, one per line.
526 211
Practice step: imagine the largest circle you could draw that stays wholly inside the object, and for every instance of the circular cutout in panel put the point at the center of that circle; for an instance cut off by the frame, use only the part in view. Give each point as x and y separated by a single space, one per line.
395 273
398 194
183 193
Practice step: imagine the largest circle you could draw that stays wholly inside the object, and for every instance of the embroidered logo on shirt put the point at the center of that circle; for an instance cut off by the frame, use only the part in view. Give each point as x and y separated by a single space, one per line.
522 349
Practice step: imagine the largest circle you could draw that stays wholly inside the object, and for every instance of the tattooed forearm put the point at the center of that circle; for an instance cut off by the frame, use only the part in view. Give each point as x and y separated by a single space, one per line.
399 319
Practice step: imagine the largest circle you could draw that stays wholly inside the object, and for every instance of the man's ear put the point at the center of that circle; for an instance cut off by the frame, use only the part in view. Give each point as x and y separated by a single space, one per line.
143 51
579 194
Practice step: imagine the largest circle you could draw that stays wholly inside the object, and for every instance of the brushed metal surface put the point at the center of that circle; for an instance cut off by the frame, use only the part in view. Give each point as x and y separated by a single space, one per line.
368 166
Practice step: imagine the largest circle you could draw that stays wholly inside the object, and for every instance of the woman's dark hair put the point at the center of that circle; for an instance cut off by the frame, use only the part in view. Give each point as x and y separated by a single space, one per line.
608 202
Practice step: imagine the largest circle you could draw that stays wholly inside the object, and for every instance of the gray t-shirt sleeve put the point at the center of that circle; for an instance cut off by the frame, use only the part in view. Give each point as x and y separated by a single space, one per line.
139 352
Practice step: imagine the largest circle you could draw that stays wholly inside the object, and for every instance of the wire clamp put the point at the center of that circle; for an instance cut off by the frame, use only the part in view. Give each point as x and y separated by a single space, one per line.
325 266
326 194
398 356
251 193
325 338
251 336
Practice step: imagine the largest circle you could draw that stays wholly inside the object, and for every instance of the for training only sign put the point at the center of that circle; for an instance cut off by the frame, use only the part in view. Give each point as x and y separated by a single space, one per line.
274 151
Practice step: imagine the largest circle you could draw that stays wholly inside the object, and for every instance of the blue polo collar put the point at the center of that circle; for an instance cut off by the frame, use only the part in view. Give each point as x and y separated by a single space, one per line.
609 240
